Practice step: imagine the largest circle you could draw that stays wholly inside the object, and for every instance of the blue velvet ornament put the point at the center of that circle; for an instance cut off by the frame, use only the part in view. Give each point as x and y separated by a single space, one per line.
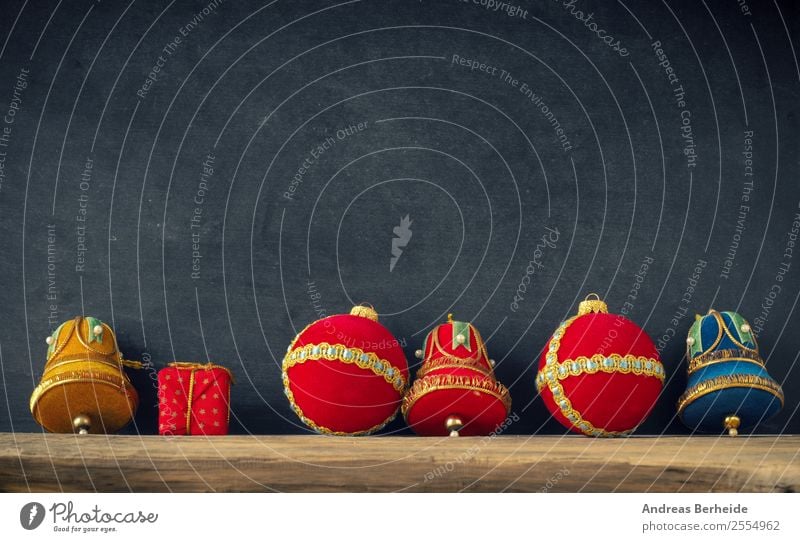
729 386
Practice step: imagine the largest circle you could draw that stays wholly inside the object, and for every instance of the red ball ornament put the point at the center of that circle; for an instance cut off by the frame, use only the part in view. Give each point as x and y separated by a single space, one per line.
455 391
345 374
600 374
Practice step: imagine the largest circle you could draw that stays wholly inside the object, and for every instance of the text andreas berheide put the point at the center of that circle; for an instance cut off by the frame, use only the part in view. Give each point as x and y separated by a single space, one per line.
695 509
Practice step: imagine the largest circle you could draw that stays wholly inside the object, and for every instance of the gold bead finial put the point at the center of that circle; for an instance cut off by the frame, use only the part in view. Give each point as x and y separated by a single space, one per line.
365 310
732 423
82 423
454 425
592 304
450 317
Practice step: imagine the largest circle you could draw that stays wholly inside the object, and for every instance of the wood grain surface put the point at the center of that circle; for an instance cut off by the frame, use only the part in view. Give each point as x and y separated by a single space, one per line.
47 462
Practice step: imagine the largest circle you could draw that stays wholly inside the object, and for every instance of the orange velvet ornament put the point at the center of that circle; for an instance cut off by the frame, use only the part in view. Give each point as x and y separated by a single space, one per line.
600 374
84 387
455 391
345 374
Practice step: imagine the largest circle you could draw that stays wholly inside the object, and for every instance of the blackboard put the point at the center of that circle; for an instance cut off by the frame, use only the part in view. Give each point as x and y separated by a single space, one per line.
210 176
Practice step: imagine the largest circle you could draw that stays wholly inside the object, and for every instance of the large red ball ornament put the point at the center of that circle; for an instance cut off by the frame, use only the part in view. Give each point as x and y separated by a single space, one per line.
345 374
600 374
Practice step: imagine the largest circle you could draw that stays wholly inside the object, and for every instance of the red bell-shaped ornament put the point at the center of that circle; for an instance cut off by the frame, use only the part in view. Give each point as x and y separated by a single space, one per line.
455 391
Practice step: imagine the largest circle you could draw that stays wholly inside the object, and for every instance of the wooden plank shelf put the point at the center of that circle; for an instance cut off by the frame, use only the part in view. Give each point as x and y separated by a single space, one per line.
47 462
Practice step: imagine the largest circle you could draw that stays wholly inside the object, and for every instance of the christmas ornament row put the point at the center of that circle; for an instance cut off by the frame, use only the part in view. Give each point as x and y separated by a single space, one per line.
84 387
600 375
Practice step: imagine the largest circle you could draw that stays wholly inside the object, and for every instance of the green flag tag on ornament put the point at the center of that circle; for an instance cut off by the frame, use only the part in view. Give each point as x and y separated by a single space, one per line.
461 329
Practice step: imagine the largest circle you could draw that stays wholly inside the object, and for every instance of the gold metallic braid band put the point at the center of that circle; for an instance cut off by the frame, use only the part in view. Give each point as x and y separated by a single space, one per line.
614 363
96 358
454 362
423 386
349 355
720 356
723 382
324 430
88 357
121 383
344 354
554 372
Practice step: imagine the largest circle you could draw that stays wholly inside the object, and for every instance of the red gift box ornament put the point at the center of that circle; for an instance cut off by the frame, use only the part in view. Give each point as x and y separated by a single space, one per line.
345 374
455 391
600 374
194 399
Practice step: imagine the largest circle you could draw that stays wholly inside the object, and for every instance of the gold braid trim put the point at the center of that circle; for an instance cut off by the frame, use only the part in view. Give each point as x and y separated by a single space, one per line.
350 355
344 354
324 430
189 400
551 377
88 357
95 358
450 361
614 363
720 356
424 386
723 382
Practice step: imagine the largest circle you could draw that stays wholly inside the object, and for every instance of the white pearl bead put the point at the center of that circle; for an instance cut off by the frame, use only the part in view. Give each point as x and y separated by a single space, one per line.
491 362
460 338
98 329
745 328
690 341
49 340
418 354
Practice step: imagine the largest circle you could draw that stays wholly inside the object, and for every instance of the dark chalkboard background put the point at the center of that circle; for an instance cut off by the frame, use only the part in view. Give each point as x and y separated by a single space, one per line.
591 141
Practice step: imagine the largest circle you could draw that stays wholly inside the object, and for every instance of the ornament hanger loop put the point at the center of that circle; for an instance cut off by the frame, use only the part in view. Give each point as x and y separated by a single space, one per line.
592 304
